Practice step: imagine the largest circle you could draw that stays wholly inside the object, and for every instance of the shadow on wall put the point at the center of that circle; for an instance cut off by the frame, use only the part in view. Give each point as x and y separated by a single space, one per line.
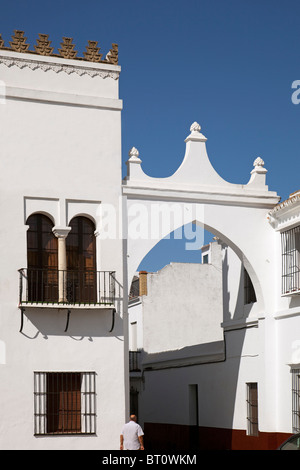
83 321
71 322
214 369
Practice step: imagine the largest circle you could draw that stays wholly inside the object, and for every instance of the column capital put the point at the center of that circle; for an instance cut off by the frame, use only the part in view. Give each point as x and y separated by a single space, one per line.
61 232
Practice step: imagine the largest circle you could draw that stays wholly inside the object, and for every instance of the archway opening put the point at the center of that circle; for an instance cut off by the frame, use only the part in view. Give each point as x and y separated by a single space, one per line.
194 244
182 303
181 246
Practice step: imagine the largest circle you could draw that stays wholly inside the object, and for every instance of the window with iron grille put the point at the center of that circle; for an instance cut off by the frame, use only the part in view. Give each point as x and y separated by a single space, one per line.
252 409
64 403
296 400
290 249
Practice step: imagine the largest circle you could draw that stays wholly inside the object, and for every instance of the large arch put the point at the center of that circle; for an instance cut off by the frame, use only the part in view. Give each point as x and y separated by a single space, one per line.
238 214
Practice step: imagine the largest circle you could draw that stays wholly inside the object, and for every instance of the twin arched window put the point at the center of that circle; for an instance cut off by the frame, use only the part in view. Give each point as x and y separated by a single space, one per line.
42 252
44 279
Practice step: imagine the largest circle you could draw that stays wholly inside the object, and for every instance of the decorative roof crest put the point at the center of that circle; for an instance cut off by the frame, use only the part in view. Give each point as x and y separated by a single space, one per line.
92 52
67 49
43 45
18 44
112 55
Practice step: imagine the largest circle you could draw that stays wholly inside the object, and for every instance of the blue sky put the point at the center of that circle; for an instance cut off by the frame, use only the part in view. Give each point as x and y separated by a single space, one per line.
227 64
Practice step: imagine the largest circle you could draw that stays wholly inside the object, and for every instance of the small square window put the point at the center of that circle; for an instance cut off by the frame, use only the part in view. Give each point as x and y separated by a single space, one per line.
64 403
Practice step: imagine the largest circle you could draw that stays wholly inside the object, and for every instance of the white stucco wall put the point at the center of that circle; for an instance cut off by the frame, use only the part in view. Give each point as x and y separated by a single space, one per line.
60 147
135 324
183 306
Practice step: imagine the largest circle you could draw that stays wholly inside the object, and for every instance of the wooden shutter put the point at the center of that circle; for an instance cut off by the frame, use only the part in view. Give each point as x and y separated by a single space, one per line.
81 261
63 403
42 260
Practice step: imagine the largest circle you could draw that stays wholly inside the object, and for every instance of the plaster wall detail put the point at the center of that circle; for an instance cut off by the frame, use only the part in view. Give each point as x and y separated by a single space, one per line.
60 147
193 314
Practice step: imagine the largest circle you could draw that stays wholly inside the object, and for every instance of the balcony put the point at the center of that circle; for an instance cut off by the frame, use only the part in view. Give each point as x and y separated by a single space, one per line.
52 287
134 361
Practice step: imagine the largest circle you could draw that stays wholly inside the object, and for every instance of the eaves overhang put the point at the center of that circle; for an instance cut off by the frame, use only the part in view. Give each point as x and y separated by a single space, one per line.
286 214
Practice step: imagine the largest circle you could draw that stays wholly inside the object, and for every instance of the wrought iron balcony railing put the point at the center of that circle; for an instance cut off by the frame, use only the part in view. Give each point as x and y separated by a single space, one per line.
134 361
52 286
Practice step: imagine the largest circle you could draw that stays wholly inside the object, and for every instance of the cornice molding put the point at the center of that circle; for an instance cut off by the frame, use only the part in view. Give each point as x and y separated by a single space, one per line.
80 70
203 195
286 205
286 215
63 98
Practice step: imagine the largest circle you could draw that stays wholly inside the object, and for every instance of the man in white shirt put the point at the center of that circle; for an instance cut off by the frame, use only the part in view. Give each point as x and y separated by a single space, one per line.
131 437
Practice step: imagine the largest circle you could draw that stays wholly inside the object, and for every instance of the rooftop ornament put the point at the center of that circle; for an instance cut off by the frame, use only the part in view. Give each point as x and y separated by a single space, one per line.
134 154
66 51
43 45
258 162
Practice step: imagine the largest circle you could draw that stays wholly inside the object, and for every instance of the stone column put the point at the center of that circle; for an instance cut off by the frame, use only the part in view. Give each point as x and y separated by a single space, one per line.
61 234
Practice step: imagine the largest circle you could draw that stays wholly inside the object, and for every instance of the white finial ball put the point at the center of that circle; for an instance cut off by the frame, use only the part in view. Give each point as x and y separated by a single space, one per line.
133 152
258 162
195 127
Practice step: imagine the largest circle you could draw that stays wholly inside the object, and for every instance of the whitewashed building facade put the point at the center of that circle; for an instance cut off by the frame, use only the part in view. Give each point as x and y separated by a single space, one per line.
224 379
62 371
